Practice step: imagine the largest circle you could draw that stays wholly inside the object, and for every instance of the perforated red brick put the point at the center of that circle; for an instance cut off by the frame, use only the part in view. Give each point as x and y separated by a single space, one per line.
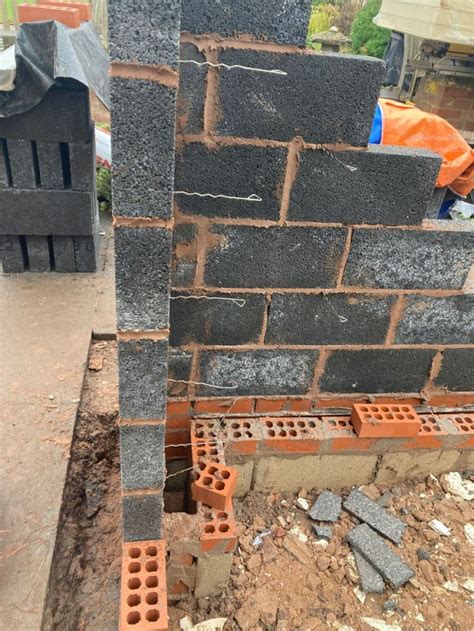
143 603
338 435
218 529
205 447
233 435
215 485
385 421
465 425
299 435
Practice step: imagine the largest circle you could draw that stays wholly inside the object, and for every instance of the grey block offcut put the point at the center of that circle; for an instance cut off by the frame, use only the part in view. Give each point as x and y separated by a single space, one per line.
362 507
326 508
374 550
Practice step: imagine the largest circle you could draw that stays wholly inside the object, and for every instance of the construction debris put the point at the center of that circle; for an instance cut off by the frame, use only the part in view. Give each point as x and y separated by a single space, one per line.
366 510
439 527
370 579
323 532
327 507
373 548
459 487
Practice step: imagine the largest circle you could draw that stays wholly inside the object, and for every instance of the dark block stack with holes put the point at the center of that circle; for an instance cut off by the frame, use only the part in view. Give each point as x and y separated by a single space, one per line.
48 203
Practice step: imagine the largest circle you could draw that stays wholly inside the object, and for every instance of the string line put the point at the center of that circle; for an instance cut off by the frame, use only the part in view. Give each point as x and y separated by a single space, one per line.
209 385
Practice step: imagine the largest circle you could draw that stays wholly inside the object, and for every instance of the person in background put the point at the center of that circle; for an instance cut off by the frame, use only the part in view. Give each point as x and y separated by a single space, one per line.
405 125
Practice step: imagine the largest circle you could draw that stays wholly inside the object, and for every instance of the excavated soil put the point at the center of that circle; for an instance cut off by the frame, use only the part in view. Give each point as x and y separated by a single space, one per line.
285 584
83 593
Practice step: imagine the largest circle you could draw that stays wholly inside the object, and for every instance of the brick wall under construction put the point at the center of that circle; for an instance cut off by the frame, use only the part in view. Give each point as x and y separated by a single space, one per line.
303 262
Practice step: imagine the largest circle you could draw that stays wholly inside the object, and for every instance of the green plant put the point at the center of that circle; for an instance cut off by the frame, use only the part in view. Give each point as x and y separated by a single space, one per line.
104 188
322 18
367 38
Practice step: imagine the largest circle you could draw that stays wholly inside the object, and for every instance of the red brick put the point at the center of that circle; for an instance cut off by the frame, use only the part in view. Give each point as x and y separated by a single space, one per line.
143 600
181 559
458 92
227 406
296 435
218 529
215 485
450 114
85 9
40 12
385 421
266 406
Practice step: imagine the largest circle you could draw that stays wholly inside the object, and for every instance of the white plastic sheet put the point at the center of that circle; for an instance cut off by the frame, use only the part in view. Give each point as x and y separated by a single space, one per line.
450 21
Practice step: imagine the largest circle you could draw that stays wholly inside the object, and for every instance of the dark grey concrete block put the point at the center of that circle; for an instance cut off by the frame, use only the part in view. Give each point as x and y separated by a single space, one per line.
82 164
326 508
323 532
144 31
362 507
142 517
184 258
265 372
371 581
179 369
372 371
245 256
46 212
191 92
142 456
62 116
236 171
38 254
143 372
322 98
143 130
409 259
383 185
211 321
457 370
279 21
4 165
374 550
429 320
64 258
20 154
328 319
86 252
50 165
142 277
11 254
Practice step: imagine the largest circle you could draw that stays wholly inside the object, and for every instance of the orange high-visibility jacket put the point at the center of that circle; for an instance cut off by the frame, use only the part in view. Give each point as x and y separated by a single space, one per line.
407 126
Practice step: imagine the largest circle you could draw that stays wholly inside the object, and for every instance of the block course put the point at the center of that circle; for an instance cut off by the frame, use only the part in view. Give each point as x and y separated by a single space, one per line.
383 185
277 21
322 98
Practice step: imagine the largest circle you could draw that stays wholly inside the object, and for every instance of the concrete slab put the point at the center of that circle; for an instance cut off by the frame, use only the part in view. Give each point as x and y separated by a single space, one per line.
46 322
362 507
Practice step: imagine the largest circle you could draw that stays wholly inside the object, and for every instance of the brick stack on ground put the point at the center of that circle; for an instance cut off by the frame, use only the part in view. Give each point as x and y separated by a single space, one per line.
49 214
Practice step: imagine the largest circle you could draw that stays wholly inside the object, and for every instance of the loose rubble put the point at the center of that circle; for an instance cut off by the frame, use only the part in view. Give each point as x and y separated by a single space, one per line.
294 580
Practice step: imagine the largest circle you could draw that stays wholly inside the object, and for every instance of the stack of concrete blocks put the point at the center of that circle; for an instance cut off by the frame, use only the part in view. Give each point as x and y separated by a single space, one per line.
144 48
332 279
48 202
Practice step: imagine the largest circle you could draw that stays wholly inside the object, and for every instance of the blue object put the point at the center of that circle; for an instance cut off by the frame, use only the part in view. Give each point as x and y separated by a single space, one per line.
376 133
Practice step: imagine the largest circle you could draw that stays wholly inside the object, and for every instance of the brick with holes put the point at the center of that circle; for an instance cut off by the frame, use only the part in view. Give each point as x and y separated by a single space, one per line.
297 435
215 485
217 528
143 602
385 421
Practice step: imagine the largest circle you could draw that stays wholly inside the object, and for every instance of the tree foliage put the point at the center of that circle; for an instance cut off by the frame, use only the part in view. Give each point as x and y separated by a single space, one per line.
367 38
